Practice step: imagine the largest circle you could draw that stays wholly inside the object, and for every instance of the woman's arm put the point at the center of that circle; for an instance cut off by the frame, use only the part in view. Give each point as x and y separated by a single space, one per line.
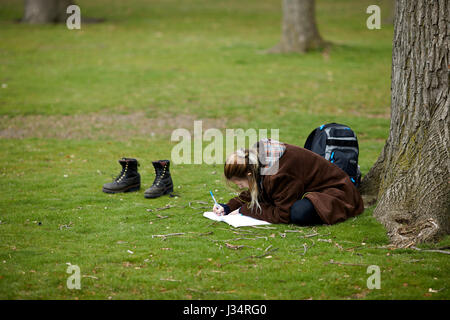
237 202
284 190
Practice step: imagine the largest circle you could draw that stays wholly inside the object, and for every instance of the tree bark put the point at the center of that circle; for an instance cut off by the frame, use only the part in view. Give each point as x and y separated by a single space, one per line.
45 11
411 177
299 28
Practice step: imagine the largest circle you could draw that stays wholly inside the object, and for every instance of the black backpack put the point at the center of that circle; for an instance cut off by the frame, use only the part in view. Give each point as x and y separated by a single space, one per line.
338 144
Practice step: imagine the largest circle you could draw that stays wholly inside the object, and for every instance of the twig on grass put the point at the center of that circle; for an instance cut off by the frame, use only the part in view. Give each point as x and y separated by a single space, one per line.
314 234
206 233
168 206
236 246
310 235
345 263
324 240
200 234
201 207
158 217
266 228
174 280
237 239
164 236
431 250
240 232
306 248
67 226
249 257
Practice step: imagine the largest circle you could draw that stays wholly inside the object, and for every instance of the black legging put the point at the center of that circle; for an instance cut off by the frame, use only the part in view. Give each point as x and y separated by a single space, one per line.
304 214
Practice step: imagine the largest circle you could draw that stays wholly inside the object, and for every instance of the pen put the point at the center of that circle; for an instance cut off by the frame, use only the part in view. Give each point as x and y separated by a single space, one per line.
214 199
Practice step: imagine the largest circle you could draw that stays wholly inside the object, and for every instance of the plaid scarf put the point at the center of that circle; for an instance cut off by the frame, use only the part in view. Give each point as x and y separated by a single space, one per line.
269 152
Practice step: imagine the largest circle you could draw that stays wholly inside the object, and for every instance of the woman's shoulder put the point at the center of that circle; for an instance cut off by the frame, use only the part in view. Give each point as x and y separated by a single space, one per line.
271 151
295 154
294 162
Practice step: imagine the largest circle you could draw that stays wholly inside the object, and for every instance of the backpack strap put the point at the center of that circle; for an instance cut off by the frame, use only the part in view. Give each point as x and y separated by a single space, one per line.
342 143
309 140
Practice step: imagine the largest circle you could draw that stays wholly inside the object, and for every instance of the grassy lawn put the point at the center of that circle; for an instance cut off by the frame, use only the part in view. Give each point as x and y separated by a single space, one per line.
73 102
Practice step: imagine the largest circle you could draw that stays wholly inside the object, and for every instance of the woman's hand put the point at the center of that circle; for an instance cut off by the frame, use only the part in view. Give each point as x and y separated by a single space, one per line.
235 211
219 210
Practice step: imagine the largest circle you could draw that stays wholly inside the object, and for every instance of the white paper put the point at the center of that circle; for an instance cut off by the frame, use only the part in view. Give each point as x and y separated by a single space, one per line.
235 220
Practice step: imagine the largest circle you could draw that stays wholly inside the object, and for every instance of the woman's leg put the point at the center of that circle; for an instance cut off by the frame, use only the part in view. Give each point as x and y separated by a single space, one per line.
304 214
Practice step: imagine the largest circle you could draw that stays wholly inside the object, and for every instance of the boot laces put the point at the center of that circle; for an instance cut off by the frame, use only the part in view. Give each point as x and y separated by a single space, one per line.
122 174
160 177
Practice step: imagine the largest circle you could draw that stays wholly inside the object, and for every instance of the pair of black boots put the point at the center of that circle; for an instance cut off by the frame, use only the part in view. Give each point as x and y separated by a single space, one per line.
129 179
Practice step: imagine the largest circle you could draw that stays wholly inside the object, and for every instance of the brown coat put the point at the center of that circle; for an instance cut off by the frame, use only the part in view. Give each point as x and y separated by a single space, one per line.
303 173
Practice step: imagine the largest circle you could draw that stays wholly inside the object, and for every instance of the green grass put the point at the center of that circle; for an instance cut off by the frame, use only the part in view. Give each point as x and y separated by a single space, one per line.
202 58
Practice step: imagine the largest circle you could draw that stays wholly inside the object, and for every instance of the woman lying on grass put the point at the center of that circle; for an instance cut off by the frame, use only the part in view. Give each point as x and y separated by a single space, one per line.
289 184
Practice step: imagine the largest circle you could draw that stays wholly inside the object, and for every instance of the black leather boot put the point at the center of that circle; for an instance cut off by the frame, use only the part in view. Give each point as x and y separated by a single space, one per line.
163 182
128 180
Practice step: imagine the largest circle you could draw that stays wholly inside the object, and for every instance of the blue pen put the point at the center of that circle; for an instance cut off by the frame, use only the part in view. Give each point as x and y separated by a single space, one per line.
214 199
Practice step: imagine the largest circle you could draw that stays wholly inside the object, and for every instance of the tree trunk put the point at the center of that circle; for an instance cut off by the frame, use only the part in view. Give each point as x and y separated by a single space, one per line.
299 29
411 177
45 11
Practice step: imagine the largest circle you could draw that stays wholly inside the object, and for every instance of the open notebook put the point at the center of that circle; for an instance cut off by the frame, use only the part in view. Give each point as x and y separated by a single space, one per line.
235 220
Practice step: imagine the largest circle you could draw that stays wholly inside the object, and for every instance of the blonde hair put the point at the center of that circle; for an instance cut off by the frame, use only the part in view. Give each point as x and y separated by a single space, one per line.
243 164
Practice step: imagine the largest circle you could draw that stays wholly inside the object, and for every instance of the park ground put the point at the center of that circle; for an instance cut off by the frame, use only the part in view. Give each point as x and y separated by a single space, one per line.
73 102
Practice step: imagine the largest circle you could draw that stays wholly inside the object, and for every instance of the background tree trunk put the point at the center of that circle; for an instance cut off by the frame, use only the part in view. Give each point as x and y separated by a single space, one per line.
411 176
45 11
299 29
